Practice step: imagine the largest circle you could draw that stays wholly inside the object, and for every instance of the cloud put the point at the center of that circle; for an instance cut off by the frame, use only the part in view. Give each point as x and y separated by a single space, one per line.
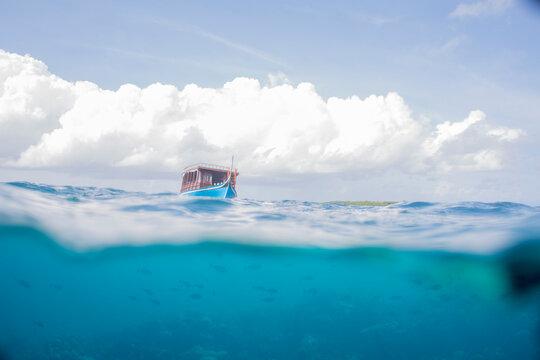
452 44
450 131
506 134
278 79
277 128
375 20
481 8
31 101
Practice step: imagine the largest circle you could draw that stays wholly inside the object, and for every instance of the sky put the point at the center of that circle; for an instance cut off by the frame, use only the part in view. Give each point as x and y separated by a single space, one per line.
349 100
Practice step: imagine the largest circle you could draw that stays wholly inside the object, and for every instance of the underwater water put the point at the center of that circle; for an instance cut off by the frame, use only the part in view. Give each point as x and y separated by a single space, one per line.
90 273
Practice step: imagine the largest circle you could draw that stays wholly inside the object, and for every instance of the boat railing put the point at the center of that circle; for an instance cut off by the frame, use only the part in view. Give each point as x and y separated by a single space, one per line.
205 165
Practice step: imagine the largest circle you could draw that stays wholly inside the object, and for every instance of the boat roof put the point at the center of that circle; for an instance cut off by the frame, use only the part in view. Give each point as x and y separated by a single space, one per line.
205 166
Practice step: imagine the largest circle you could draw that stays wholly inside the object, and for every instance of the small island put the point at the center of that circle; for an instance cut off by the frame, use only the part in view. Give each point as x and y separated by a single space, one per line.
362 203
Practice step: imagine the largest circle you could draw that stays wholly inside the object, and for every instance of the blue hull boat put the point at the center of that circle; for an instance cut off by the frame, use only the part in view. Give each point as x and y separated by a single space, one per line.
224 191
209 180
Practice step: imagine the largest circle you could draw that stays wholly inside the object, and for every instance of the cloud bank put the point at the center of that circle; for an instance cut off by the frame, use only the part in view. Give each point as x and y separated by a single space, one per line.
47 122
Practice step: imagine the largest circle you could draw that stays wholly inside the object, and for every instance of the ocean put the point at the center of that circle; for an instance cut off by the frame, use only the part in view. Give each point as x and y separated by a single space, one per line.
96 273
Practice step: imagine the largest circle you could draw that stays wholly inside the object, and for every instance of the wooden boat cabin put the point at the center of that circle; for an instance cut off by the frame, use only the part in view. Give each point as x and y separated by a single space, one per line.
206 179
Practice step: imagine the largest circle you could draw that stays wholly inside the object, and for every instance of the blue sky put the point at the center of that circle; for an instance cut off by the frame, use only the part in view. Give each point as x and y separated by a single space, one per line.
443 65
344 48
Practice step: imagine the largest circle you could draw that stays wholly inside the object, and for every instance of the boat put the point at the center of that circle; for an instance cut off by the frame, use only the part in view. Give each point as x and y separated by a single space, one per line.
209 180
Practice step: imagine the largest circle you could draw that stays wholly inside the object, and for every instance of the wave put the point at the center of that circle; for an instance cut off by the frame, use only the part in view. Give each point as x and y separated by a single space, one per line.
90 218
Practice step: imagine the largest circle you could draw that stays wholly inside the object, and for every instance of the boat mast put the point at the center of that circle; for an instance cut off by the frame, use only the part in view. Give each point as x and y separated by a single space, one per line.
231 171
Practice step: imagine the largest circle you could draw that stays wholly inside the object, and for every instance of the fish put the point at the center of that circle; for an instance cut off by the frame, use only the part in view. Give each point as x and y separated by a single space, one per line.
155 302
185 283
131 297
23 283
312 291
219 268
195 296
259 288
149 292
268 299
253 266
436 287
144 271
307 277
38 323
271 291
56 286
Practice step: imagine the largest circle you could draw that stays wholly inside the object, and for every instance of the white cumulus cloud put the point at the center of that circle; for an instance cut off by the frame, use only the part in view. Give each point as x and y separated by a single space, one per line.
50 122
448 131
31 101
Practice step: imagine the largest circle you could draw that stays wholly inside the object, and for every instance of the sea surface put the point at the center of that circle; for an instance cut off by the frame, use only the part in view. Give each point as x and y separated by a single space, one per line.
95 273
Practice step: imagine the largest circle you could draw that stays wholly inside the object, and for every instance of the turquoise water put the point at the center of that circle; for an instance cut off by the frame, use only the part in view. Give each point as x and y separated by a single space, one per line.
90 273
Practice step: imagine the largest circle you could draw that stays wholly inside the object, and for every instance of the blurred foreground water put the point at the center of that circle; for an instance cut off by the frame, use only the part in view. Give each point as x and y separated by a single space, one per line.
89 273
